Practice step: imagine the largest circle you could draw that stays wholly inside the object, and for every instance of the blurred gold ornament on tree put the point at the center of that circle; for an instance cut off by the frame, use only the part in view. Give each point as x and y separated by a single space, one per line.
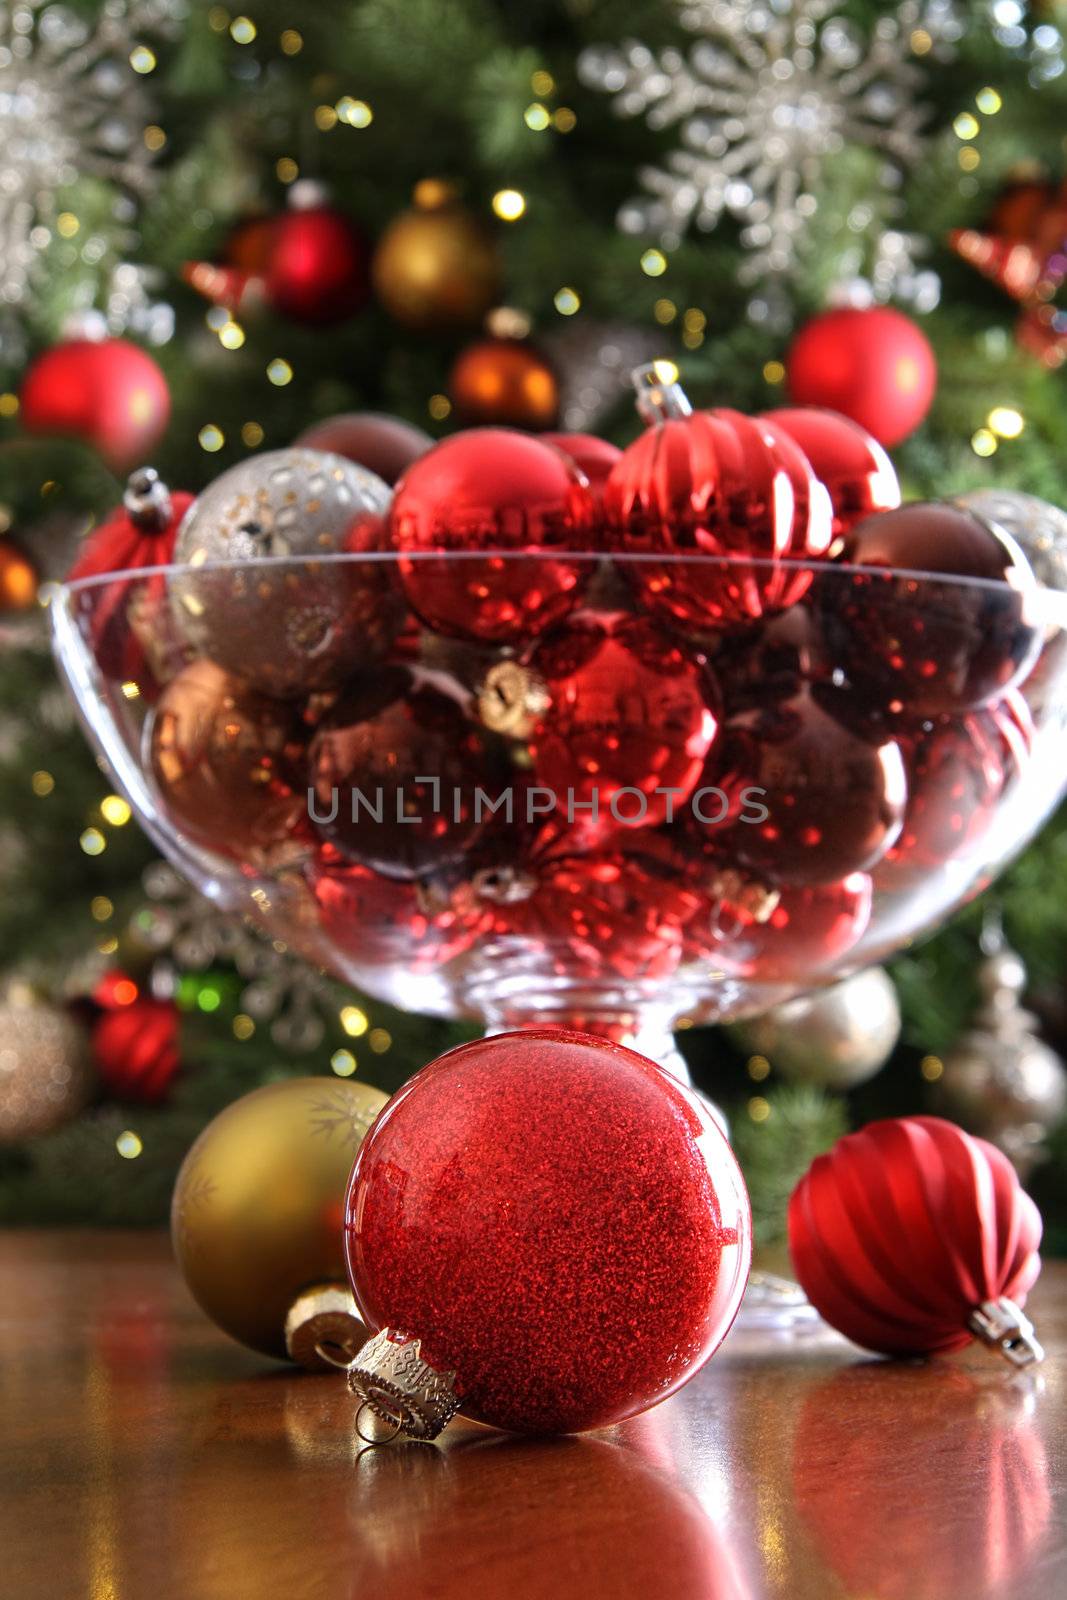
834 1038
18 580
504 383
257 1216
437 265
46 1074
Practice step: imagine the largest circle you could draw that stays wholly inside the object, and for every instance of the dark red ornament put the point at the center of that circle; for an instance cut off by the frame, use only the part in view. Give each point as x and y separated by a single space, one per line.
128 619
871 363
629 723
851 463
595 457
396 771
318 269
135 1049
906 1232
710 486
108 393
834 802
559 1222
785 935
384 445
492 490
914 644
771 661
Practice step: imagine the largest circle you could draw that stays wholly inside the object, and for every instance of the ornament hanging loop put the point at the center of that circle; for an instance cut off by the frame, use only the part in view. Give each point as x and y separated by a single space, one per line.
1003 1326
392 1381
660 397
147 499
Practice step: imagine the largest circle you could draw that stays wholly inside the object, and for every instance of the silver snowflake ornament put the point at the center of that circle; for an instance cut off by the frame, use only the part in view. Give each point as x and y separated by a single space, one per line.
763 99
71 105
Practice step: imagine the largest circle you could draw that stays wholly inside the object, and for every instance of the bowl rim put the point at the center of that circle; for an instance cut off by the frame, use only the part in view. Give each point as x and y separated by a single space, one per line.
1027 590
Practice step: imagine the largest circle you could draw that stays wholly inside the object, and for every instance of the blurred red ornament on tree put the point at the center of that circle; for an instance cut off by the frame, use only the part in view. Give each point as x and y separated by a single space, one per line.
504 383
135 1048
492 490
1024 252
903 1232
108 393
873 364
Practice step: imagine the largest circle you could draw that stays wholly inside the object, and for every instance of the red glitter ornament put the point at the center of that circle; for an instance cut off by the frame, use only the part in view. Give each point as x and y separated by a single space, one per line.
629 723
906 1234
140 533
785 935
561 1225
396 771
108 393
834 802
715 484
871 363
911 643
492 490
858 475
135 1049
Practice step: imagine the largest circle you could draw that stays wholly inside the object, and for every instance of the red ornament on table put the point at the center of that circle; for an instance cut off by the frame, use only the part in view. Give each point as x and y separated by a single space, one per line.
834 802
969 649
384 445
629 722
873 364
492 490
108 393
713 484
551 1232
135 1049
912 1237
125 613
859 476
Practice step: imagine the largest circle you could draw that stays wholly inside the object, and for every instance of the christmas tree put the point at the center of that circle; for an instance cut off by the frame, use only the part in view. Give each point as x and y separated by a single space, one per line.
498 211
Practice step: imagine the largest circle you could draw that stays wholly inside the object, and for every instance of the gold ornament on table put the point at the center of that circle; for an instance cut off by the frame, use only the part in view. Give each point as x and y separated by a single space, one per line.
46 1074
257 1216
437 265
834 1038
1000 1080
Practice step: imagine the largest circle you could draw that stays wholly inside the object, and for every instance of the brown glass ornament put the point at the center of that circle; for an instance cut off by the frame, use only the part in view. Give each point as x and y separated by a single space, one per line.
384 445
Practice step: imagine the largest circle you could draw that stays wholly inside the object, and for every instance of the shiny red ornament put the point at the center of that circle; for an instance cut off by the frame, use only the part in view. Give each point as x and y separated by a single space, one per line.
786 935
376 921
396 772
318 271
716 484
384 445
913 644
872 364
858 475
108 393
595 457
558 1221
905 1230
125 614
629 722
492 490
834 802
135 1050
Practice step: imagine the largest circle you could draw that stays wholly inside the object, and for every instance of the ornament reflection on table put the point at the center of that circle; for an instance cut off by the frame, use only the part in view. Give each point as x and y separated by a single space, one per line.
529 1260
437 667
257 1212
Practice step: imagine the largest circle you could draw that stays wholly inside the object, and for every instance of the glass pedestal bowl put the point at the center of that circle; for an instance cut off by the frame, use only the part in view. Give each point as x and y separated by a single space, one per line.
618 823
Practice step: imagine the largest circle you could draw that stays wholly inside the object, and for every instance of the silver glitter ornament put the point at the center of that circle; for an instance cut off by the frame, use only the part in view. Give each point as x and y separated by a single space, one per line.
46 1074
1040 528
835 1038
1000 1080
301 624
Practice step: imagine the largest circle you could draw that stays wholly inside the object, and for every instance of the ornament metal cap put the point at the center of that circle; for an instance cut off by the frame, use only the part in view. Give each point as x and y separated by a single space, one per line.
1004 1326
147 499
402 1390
512 699
660 396
323 1329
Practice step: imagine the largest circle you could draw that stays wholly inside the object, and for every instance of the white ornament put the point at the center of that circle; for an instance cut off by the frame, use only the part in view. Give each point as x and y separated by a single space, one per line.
763 99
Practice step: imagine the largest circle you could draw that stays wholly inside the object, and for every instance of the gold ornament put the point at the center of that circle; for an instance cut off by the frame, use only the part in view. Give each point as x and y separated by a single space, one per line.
46 1074
1000 1080
258 1210
835 1038
436 265
504 383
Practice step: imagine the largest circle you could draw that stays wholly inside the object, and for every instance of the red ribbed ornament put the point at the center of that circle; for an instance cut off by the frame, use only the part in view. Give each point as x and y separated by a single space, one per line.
906 1234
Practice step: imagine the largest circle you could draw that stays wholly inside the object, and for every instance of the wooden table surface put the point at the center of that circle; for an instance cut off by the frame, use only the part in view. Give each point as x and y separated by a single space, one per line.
144 1457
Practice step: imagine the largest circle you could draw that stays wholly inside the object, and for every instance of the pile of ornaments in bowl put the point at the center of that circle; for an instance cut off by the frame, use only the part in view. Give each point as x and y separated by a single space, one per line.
687 707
